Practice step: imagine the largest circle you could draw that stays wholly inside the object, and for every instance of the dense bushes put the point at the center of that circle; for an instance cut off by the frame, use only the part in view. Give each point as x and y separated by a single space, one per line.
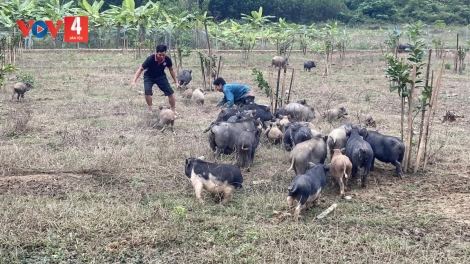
349 11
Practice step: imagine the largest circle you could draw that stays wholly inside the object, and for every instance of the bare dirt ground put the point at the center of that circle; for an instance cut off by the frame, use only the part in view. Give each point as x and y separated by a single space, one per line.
86 178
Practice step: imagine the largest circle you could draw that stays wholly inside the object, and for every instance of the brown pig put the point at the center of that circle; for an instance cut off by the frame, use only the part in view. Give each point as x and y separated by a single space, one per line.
341 169
167 117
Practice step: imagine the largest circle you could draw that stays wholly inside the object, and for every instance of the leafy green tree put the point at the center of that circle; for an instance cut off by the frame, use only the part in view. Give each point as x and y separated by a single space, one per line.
257 21
54 10
379 9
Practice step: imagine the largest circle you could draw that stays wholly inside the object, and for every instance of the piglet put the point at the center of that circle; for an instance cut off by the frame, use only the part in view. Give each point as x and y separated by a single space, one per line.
341 168
306 188
167 117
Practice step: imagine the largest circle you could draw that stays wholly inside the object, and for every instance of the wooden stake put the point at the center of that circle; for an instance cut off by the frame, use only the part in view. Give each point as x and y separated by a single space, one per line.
410 121
402 113
423 110
277 87
218 67
283 86
427 125
456 54
270 83
211 61
290 86
424 123
203 75
178 67
433 104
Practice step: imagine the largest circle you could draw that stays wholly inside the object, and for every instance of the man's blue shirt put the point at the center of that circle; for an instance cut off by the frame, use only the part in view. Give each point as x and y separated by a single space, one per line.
233 93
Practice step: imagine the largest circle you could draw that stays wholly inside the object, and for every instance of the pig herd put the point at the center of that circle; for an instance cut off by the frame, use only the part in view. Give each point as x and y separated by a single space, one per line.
239 131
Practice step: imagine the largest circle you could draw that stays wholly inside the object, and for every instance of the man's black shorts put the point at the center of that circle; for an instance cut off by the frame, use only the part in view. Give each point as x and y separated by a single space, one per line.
161 82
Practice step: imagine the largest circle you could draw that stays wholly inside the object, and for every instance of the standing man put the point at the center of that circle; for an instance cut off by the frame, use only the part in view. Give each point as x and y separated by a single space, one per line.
155 74
234 93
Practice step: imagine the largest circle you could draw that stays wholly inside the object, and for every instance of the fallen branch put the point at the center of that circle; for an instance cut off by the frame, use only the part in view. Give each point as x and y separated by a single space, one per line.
327 211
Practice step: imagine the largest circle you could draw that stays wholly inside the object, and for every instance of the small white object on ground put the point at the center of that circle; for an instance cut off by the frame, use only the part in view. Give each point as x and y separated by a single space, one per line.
327 211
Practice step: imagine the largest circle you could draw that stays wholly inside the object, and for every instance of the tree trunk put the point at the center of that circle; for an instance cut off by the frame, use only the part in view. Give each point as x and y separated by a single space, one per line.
402 115
118 34
407 160
211 62
423 105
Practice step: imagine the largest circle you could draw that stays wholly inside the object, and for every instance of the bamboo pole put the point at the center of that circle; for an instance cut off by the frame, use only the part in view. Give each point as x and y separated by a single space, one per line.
434 104
423 110
277 87
402 117
203 75
424 120
217 74
175 59
270 81
290 86
283 86
456 54
211 60
410 121
427 125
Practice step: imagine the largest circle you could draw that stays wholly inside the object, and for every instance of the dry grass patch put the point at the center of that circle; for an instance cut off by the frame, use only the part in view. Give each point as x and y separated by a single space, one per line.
86 178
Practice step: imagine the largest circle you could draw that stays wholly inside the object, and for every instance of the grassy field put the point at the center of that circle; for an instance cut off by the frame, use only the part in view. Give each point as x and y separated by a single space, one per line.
85 178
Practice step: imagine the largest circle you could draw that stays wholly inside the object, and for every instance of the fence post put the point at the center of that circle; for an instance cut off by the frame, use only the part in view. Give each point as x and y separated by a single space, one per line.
427 39
262 37
466 36
169 40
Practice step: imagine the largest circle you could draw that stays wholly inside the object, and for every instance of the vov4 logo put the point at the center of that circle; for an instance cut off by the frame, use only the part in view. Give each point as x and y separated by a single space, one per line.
75 28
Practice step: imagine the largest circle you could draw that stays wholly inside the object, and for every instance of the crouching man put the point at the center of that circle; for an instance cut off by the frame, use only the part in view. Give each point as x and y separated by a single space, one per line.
238 94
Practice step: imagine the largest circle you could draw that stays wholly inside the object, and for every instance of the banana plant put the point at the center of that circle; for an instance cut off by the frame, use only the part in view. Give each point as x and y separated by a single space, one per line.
257 22
6 21
15 10
325 41
144 16
284 34
225 34
54 10
202 21
93 13
123 16
178 26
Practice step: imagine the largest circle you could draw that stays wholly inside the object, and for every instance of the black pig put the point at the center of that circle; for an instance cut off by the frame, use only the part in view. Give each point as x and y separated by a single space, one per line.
388 149
360 154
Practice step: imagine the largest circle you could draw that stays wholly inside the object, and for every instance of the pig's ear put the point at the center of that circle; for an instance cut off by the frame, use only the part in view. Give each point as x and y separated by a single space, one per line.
343 151
311 164
363 132
201 158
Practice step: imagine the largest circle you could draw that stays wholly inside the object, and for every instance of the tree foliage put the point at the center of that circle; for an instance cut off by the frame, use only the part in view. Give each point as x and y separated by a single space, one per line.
349 11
